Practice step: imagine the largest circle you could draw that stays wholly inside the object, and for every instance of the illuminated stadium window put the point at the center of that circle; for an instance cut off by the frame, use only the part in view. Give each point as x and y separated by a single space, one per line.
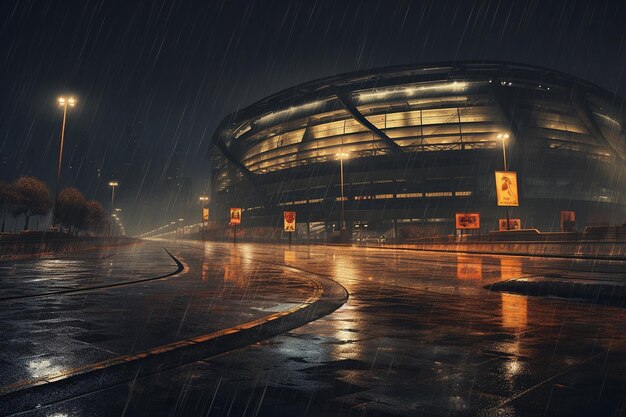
316 200
409 195
342 198
383 196
462 193
300 202
439 194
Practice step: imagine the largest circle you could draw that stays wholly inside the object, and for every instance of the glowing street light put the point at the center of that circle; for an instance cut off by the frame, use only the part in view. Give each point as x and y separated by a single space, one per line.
342 155
62 102
182 228
112 184
203 199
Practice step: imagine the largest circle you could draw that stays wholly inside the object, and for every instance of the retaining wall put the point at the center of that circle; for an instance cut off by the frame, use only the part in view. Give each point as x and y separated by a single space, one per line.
28 244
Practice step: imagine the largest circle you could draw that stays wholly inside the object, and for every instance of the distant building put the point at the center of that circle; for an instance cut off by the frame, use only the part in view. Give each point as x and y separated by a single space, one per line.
423 143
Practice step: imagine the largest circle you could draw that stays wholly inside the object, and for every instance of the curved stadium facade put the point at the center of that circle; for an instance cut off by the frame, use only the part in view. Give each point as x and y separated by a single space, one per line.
422 144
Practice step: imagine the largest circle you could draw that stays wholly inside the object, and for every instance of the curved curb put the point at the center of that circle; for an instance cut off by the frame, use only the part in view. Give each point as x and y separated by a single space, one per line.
327 297
180 268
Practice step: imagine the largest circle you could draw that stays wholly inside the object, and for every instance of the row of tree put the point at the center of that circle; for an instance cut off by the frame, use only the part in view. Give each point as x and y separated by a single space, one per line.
29 196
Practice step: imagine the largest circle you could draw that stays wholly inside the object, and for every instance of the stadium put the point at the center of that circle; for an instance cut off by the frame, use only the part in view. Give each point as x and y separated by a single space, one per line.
409 147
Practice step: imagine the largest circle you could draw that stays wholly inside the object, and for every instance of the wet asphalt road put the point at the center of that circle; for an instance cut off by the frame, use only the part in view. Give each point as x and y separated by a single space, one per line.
418 336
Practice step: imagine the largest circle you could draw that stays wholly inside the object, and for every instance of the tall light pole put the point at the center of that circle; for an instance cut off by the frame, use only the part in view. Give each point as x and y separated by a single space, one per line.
112 184
342 155
63 102
203 199
503 137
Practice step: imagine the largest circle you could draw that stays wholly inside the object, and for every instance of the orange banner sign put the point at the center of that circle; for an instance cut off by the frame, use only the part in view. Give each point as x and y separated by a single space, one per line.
506 188
568 221
289 221
235 215
468 220
514 224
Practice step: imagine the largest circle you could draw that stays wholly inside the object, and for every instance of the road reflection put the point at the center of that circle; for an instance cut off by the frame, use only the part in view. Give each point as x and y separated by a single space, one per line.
510 268
514 311
469 267
43 367
514 318
290 257
233 273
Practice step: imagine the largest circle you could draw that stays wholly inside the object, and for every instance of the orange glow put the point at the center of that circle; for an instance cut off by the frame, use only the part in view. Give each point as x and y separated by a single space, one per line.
514 311
469 267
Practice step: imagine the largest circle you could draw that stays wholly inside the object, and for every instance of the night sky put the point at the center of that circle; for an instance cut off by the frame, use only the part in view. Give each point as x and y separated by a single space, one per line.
178 67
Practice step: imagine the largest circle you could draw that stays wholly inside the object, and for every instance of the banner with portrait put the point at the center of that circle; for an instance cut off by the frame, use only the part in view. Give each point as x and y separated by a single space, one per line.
289 218
235 215
506 188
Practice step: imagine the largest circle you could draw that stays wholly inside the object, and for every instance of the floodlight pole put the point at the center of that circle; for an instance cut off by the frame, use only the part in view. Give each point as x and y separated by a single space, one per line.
506 209
112 184
343 217
64 102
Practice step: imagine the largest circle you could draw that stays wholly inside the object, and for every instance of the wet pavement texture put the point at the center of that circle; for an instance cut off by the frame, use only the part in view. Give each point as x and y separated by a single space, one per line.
420 335
80 270
44 335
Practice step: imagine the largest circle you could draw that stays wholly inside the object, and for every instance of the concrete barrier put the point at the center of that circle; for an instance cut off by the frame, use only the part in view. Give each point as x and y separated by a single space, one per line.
37 243
577 249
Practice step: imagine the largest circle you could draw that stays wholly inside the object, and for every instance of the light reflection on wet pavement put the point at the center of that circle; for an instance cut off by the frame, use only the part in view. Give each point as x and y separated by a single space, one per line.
419 336
45 335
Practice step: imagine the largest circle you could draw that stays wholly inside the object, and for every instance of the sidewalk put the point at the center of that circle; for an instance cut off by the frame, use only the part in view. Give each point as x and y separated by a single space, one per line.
50 338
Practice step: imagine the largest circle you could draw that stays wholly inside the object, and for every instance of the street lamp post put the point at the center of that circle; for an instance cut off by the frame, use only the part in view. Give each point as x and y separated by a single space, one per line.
342 155
112 184
203 199
63 102
503 137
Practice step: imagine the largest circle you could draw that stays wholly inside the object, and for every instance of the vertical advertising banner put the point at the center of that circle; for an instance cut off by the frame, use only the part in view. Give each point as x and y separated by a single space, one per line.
205 215
289 218
467 221
235 215
506 188
568 221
